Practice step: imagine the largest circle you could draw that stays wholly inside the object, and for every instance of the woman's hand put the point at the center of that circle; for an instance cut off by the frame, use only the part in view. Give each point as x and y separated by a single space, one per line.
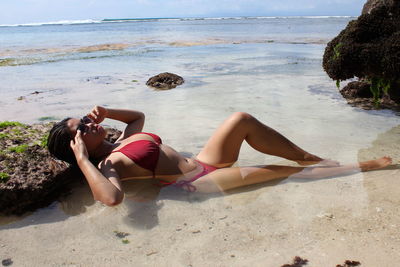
98 114
79 147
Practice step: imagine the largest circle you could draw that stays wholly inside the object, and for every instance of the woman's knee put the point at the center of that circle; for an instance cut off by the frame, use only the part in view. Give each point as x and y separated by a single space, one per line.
241 116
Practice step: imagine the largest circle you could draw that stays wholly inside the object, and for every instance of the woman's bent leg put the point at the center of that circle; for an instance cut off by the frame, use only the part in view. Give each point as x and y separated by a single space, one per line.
222 149
230 178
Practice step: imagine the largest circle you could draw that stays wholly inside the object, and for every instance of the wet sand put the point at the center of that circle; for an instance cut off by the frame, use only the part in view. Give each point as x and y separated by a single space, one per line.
337 220
326 221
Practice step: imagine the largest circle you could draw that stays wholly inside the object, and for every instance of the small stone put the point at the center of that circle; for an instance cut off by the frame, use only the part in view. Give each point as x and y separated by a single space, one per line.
196 232
7 262
151 253
120 234
330 216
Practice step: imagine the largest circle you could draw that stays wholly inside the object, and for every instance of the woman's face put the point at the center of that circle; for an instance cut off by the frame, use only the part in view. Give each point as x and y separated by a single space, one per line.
92 134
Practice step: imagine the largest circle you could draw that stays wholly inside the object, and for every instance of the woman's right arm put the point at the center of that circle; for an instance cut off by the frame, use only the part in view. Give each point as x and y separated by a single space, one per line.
133 118
105 185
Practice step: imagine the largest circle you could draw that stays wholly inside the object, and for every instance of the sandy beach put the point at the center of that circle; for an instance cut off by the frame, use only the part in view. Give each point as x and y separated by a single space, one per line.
327 221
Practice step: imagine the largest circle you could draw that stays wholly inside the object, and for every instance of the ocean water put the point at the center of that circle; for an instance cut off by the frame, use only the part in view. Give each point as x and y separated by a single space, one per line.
269 67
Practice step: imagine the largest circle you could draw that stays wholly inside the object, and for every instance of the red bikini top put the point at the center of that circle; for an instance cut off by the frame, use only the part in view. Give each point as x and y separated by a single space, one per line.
144 153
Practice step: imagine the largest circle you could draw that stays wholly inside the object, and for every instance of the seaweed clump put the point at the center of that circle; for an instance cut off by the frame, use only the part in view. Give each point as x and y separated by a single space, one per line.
297 262
369 48
349 263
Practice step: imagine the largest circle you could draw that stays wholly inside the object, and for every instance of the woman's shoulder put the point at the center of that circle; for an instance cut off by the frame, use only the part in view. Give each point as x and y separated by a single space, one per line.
109 160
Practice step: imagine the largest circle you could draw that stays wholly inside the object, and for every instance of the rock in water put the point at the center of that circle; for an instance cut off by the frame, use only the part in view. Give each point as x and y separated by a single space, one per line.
369 48
165 81
356 89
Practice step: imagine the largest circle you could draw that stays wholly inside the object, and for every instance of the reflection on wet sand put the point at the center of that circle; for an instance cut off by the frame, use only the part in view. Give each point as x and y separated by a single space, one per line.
225 179
220 181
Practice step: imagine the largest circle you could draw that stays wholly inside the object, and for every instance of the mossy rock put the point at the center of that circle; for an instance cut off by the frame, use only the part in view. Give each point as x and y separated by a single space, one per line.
30 178
369 48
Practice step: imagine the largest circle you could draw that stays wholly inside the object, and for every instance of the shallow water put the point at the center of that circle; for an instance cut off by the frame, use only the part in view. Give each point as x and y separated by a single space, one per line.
269 68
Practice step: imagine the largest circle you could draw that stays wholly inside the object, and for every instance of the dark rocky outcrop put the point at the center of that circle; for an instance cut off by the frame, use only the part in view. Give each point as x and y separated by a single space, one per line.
356 96
165 81
358 93
357 89
29 177
371 4
369 48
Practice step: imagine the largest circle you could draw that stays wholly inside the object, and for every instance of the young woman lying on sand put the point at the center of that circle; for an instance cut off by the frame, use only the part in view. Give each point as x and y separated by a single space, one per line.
139 155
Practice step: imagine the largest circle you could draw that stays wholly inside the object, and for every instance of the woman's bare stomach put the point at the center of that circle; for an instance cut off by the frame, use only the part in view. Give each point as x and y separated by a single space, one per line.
171 166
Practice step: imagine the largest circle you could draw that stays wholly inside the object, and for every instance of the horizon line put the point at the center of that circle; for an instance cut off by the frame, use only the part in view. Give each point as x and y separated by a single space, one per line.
88 21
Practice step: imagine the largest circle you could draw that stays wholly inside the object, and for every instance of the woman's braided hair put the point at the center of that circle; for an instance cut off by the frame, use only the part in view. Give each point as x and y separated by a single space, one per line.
59 140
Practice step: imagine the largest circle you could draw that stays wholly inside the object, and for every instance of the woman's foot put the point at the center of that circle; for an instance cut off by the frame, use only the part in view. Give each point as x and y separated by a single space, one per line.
375 164
310 159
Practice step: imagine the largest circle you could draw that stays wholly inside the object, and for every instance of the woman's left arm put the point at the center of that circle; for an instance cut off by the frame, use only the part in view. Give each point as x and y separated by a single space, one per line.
105 186
133 118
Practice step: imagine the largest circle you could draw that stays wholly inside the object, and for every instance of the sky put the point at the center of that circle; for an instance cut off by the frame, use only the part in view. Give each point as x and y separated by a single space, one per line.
29 11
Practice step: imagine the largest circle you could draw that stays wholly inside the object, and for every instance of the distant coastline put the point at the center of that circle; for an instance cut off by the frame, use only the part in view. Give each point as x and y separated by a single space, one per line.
116 20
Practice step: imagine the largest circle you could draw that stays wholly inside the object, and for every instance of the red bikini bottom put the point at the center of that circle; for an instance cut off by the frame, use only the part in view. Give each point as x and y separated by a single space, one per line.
187 185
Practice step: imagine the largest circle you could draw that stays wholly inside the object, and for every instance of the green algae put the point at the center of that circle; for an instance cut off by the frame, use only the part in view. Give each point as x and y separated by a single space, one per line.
378 87
47 118
4 124
17 131
43 140
19 149
7 62
336 51
4 135
4 177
